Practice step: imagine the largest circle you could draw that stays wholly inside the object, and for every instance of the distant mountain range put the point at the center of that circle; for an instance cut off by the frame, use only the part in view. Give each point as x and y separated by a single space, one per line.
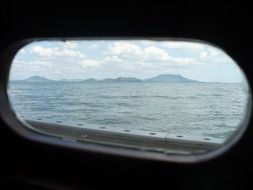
36 79
171 78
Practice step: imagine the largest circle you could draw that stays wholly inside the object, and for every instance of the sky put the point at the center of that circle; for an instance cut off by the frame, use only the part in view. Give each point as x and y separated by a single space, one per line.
142 59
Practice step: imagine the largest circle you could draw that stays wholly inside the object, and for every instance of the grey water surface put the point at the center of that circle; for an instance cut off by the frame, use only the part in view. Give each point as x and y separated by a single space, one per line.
210 109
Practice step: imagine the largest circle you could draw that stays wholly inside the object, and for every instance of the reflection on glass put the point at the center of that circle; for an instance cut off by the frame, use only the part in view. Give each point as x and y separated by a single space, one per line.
181 88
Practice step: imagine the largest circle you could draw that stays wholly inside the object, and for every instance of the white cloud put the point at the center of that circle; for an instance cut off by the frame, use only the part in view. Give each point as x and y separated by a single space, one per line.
93 47
41 63
70 45
57 72
203 55
18 62
87 63
125 48
22 51
148 43
212 55
183 61
112 59
209 53
56 52
183 45
152 53
128 52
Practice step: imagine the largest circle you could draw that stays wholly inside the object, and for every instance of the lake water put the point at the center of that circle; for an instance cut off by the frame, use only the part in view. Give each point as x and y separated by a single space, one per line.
209 109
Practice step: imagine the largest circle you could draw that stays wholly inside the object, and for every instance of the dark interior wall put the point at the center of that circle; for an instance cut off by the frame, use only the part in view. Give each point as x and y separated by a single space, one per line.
227 25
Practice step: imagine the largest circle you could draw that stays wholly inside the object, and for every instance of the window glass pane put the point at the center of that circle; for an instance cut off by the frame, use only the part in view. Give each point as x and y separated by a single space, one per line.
166 91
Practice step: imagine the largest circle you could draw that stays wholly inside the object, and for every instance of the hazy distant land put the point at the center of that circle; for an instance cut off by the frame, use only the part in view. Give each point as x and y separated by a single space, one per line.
172 78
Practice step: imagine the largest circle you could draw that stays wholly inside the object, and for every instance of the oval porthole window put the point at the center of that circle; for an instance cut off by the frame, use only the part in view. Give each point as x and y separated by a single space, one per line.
159 96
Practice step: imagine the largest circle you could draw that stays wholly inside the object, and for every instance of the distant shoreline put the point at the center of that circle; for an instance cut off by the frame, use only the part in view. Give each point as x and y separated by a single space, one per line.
143 82
163 78
159 78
